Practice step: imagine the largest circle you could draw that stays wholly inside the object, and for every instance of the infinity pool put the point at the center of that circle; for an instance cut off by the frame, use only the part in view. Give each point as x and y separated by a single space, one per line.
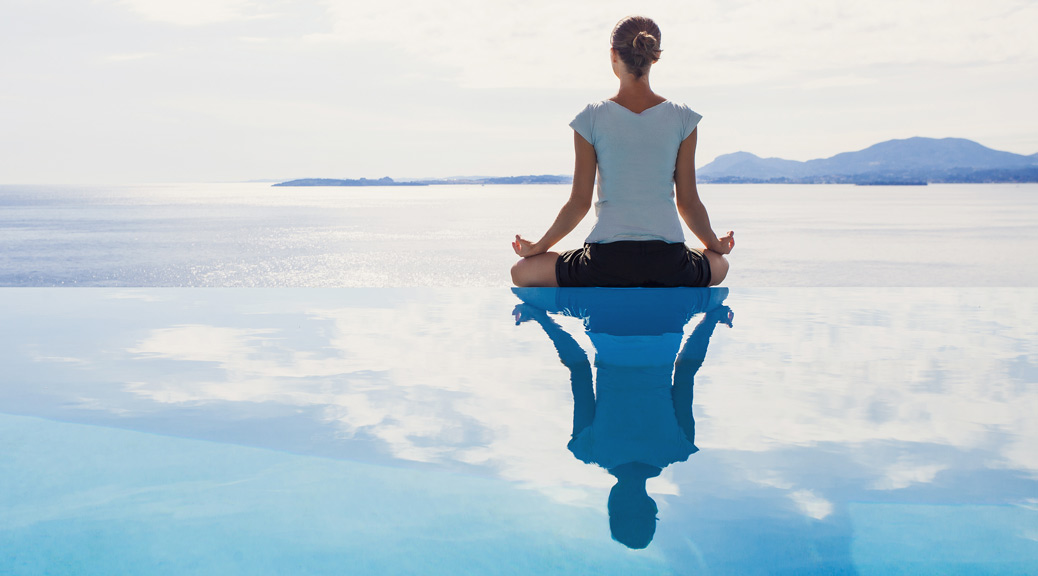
491 431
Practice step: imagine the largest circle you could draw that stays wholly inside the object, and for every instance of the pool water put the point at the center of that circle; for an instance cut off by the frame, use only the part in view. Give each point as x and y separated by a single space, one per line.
497 431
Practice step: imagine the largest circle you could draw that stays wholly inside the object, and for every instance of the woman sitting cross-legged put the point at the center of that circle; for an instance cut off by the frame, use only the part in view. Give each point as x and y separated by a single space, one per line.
643 148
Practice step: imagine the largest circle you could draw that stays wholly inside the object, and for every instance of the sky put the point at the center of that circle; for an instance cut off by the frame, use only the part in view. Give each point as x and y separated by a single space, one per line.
132 91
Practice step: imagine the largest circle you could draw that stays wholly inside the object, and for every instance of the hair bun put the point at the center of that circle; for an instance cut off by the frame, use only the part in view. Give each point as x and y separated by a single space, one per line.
645 44
645 49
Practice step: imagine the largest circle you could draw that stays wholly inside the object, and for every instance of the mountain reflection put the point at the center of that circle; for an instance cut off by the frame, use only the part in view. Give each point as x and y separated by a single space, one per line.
633 417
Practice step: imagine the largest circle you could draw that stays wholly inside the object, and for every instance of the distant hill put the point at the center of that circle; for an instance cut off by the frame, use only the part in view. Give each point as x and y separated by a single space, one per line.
542 179
909 161
359 182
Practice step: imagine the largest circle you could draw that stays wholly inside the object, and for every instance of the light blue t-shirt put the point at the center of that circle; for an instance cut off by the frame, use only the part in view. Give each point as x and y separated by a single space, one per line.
637 154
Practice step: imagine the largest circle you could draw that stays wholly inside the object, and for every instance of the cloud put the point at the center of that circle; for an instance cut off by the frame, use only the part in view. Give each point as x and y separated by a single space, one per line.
484 84
841 81
811 504
404 375
397 374
445 377
903 474
543 43
198 343
127 57
190 12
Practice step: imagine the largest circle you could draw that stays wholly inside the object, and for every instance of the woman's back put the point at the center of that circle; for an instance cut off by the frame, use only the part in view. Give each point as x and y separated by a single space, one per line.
636 157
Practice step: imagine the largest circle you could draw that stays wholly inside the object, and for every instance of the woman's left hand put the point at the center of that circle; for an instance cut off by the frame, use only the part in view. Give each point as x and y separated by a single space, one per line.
524 247
725 243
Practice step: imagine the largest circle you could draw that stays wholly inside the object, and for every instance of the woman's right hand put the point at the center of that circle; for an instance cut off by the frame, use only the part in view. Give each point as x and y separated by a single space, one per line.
524 247
722 315
725 243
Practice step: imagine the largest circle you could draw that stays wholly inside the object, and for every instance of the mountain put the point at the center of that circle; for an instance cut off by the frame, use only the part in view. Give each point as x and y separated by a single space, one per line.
386 181
532 179
749 165
912 160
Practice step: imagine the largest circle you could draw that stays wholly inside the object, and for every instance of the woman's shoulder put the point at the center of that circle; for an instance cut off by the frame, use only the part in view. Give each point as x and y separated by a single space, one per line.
586 119
678 107
689 118
595 106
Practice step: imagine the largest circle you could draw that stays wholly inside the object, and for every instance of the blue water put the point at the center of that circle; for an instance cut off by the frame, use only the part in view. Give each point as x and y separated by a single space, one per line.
424 430
358 390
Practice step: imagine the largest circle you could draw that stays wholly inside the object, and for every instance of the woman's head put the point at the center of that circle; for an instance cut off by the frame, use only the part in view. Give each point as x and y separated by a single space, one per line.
636 39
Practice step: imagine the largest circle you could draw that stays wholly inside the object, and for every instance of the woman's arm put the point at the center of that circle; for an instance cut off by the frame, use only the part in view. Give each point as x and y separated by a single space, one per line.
690 207
574 210
573 357
688 362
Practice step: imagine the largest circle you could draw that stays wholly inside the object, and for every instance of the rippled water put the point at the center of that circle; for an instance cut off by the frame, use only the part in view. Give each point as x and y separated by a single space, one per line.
256 235
374 431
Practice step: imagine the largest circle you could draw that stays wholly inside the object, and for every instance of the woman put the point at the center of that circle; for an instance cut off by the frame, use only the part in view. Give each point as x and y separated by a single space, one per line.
643 148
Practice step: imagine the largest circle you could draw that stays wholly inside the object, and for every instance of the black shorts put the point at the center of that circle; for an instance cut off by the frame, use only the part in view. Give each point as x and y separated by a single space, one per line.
633 263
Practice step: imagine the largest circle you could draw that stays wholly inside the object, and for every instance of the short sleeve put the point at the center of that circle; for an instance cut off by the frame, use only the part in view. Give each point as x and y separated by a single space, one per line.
584 124
689 121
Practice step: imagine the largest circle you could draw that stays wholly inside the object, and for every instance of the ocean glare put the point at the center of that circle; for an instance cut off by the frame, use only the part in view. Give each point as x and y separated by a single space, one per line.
242 235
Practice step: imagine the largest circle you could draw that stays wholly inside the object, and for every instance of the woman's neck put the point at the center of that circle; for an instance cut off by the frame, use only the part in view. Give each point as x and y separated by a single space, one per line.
635 94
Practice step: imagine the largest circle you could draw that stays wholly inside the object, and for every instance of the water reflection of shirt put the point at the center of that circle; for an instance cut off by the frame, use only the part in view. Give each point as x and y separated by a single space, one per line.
635 417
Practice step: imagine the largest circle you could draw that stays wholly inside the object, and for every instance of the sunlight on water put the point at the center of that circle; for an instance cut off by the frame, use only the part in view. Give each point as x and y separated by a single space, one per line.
256 235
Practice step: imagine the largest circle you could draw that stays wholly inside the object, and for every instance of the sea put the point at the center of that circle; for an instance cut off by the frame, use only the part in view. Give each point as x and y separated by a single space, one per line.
224 379
240 235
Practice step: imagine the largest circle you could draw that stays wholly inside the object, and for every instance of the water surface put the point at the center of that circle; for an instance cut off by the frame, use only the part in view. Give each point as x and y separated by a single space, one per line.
837 430
254 235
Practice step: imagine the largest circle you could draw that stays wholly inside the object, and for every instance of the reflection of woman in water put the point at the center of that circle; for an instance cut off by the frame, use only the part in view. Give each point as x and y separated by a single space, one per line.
637 419
643 148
